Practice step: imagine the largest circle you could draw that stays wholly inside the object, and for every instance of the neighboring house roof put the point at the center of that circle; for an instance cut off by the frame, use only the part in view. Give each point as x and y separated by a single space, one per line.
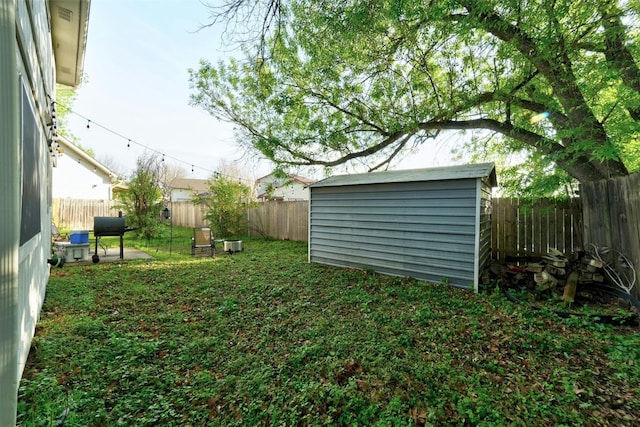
73 151
479 170
295 178
198 186
69 25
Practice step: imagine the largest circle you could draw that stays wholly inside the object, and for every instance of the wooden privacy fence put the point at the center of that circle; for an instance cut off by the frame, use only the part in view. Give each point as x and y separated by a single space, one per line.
522 231
186 214
280 220
77 214
612 220
516 231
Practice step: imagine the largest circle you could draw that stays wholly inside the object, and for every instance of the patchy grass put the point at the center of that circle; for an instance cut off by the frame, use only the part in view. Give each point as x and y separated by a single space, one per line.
264 338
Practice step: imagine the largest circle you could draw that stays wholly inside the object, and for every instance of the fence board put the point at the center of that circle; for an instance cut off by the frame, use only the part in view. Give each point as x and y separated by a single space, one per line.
510 224
522 240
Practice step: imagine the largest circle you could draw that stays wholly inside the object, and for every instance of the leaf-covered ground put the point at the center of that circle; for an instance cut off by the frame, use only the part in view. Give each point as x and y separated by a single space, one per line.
264 338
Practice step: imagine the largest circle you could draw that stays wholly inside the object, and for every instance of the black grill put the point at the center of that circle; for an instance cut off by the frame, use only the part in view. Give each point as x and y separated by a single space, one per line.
109 226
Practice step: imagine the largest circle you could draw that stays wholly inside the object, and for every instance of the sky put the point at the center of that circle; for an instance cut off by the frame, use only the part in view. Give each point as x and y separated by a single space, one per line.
135 97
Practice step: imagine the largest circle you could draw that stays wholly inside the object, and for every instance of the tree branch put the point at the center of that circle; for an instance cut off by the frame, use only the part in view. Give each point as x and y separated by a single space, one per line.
583 172
618 53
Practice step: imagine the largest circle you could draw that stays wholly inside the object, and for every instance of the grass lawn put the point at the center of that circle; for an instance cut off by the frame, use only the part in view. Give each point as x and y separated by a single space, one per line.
264 338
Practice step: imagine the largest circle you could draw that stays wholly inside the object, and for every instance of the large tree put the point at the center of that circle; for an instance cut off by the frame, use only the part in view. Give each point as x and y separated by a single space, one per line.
334 82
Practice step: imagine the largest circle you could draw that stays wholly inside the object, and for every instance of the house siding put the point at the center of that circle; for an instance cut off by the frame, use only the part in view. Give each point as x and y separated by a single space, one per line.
24 270
27 90
283 189
10 212
426 230
75 179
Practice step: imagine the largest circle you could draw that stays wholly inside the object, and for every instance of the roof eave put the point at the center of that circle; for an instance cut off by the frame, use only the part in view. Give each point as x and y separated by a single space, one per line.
69 28
82 156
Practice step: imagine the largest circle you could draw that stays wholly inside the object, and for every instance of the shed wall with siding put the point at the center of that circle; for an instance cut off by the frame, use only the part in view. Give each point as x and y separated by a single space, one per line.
430 224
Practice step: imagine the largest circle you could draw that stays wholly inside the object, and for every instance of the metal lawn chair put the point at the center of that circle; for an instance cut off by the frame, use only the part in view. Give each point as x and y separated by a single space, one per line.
202 242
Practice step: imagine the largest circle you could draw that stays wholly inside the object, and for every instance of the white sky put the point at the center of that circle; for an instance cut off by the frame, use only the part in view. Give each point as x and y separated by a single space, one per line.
137 59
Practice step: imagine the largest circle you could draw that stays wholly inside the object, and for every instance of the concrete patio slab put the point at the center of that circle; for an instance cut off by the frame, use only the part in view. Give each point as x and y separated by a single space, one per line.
112 255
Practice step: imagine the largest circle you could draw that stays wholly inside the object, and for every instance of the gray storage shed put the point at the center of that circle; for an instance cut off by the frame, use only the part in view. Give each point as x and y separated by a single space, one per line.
431 224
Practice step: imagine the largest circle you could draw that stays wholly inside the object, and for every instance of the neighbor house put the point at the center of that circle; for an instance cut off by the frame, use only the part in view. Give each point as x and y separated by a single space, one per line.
291 188
41 42
184 189
80 176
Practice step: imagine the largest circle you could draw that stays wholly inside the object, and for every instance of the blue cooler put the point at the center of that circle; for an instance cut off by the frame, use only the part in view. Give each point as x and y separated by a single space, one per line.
79 237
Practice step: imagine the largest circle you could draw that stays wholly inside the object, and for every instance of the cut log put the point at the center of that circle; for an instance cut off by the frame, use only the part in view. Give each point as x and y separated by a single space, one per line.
555 261
596 263
570 288
544 280
534 267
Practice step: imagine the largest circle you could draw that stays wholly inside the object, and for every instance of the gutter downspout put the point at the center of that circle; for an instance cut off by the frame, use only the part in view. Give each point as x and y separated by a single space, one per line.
10 215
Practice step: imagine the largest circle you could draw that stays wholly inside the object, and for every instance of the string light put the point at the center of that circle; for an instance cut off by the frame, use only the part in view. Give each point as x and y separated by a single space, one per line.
130 141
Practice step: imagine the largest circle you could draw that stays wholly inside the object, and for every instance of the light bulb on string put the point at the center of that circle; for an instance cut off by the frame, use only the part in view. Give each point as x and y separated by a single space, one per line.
129 141
539 117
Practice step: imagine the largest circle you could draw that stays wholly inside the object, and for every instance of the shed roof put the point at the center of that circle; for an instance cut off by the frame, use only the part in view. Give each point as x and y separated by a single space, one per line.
479 170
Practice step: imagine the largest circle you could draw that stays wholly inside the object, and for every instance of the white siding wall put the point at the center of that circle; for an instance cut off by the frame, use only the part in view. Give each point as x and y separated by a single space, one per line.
78 180
181 195
10 212
27 68
291 192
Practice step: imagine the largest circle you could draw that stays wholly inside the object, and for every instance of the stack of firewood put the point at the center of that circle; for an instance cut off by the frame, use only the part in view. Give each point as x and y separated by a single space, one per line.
591 270
555 269
551 269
